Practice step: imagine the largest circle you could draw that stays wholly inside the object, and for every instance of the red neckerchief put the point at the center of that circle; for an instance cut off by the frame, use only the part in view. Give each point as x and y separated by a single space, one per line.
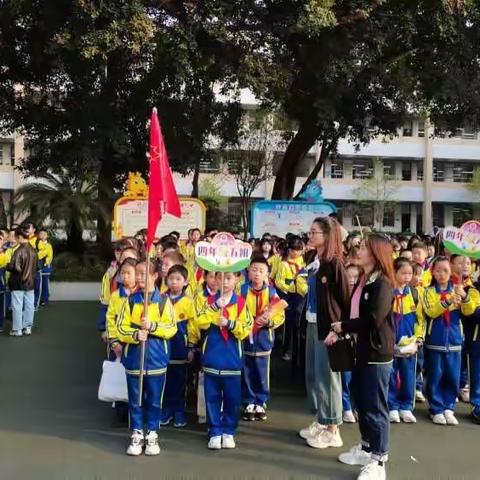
456 279
398 315
259 307
446 313
198 274
224 330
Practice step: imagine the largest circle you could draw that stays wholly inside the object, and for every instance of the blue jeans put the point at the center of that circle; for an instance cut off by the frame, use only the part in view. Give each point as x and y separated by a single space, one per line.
370 391
23 309
346 398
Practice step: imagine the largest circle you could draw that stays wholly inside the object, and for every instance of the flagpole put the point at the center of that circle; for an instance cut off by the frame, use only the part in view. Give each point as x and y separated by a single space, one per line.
142 343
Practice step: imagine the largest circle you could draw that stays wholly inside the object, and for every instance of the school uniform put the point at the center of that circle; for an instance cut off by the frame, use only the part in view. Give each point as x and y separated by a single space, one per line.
157 355
115 306
258 346
42 284
222 362
472 350
409 326
185 338
274 262
110 282
291 284
444 340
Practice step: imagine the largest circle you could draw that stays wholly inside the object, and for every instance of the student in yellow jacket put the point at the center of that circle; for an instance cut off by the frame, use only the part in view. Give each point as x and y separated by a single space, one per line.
291 284
45 258
444 303
226 323
155 327
181 347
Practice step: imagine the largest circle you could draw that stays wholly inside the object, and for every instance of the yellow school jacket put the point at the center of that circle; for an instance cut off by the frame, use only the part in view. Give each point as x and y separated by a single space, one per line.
290 277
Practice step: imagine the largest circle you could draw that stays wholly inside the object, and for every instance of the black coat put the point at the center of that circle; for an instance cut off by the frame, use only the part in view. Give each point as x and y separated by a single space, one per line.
375 328
333 301
23 268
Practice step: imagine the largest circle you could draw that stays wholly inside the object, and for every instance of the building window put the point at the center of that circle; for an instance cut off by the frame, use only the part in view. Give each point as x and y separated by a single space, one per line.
336 168
420 171
407 129
438 214
362 169
406 170
389 168
389 216
462 172
438 171
468 131
364 212
421 127
461 214
282 123
212 165
1 154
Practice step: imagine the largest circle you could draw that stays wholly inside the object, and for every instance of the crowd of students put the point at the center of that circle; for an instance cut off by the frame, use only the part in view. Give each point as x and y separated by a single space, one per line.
413 309
26 257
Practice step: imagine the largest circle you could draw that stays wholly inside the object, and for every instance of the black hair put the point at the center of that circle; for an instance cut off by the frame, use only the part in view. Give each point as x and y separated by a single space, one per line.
421 245
22 231
130 262
417 269
178 269
259 259
400 262
434 263
263 242
175 234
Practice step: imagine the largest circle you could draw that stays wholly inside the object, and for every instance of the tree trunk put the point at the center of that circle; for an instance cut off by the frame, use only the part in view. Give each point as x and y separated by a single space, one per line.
245 218
298 147
196 176
105 209
3 214
327 147
75 241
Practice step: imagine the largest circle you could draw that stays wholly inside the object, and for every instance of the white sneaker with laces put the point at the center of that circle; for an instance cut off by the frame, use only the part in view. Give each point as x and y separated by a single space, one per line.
372 471
326 439
215 443
439 419
151 444
394 416
16 333
450 417
27 331
136 443
228 441
407 416
355 456
420 397
312 430
349 417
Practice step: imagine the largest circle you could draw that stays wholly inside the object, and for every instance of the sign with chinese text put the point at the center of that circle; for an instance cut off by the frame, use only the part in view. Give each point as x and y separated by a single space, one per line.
224 254
464 240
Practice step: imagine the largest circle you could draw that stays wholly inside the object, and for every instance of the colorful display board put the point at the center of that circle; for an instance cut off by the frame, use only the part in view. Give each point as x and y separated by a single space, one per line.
464 240
130 212
281 217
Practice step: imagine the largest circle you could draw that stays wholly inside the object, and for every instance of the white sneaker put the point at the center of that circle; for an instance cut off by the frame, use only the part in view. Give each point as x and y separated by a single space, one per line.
16 333
312 430
228 441
464 395
419 397
450 417
326 439
394 416
136 443
355 456
151 443
215 443
372 471
407 416
439 419
27 331
349 417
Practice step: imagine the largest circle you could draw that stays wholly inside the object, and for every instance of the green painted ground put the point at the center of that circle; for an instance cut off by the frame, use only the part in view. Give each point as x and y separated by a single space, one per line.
53 427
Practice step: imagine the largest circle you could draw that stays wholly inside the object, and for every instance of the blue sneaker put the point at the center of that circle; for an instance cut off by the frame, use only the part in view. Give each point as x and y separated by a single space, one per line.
167 417
180 420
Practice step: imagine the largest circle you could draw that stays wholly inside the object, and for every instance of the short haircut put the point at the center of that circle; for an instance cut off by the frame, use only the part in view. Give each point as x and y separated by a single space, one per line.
178 269
22 231
129 262
259 259
421 245
400 262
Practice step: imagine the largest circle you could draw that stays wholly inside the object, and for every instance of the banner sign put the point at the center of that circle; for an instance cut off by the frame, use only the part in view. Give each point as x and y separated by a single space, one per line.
130 212
280 217
464 240
223 254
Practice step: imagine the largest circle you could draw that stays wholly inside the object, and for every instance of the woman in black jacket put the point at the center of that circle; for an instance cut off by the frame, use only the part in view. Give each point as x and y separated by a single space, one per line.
374 356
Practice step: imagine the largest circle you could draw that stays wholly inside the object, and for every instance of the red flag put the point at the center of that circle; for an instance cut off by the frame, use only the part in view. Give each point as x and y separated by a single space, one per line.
162 196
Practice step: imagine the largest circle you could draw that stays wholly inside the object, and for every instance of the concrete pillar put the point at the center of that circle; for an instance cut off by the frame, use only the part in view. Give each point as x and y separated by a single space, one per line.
448 215
398 169
398 217
413 217
427 226
348 168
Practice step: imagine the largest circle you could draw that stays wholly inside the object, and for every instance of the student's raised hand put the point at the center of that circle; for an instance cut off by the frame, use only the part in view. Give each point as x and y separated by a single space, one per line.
457 300
142 335
262 320
221 302
459 290
104 336
331 339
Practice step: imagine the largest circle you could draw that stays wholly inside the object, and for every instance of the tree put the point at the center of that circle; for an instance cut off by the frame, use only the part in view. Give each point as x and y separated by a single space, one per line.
377 192
251 162
80 78
211 196
67 200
